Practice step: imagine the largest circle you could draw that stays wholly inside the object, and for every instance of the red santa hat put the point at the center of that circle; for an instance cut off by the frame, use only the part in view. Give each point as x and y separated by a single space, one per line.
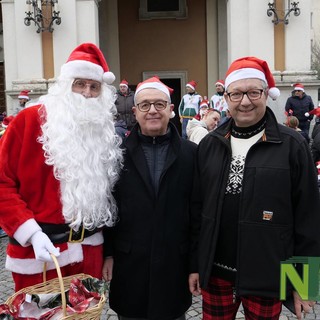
192 84
24 94
252 67
298 87
315 112
204 104
6 121
153 83
87 61
220 82
124 82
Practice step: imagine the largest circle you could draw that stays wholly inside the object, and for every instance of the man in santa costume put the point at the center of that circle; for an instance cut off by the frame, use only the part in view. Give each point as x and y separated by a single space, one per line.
59 162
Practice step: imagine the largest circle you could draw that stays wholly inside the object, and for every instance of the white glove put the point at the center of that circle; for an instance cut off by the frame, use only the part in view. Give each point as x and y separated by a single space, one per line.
42 247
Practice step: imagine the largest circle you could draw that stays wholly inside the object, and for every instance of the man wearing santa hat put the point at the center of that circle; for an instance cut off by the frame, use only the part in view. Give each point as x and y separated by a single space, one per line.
23 98
148 253
298 105
256 188
59 162
218 101
124 104
189 106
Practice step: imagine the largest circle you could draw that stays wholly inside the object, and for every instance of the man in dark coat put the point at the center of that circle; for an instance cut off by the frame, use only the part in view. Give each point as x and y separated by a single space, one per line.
298 105
147 255
259 202
124 104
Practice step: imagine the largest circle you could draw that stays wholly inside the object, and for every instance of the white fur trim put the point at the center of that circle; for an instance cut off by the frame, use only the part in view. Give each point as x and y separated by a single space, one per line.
23 97
73 254
153 85
25 231
94 240
82 69
244 73
299 89
190 86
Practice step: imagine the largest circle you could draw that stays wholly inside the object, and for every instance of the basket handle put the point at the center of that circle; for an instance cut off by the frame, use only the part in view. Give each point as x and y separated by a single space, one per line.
63 294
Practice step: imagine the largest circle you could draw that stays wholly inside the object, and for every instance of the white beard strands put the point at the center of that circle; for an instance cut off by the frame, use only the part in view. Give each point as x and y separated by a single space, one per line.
80 142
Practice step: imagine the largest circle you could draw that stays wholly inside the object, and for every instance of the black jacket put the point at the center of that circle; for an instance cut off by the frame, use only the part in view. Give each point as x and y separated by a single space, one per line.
279 177
124 104
300 107
150 244
315 146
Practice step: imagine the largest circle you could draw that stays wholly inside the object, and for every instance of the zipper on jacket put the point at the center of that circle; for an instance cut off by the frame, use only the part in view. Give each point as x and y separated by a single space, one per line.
234 295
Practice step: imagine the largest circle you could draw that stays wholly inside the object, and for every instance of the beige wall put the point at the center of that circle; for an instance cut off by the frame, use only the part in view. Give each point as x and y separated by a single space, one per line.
163 45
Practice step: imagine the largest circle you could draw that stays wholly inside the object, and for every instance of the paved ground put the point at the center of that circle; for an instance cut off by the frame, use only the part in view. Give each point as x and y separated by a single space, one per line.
194 313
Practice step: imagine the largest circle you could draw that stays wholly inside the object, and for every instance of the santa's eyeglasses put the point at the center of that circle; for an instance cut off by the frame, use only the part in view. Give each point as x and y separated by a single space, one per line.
81 84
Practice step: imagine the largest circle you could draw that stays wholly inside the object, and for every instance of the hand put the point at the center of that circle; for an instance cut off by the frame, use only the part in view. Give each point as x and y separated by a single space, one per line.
42 247
107 268
194 285
299 304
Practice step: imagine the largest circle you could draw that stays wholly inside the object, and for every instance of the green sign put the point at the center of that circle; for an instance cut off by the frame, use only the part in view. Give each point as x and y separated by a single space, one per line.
303 273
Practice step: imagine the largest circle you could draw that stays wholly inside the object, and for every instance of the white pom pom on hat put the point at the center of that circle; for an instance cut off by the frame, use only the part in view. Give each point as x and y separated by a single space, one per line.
315 112
252 67
87 61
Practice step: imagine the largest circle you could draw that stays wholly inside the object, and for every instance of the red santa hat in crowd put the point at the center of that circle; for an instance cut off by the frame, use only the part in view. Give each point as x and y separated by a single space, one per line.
252 67
298 87
220 82
87 61
124 82
315 112
6 121
192 84
204 104
24 94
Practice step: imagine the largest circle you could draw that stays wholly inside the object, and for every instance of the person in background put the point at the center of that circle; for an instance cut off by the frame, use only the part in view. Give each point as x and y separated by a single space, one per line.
59 162
23 98
218 101
315 145
255 187
124 104
198 129
293 122
147 254
204 107
189 106
298 105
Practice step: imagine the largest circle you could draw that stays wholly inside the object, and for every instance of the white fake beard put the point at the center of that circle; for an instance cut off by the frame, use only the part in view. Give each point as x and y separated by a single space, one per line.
80 142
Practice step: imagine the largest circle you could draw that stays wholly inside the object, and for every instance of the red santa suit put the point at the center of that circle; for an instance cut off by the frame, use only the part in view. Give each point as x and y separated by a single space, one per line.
29 195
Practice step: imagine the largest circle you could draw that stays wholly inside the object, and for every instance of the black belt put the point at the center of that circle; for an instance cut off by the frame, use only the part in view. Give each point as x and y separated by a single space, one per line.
61 233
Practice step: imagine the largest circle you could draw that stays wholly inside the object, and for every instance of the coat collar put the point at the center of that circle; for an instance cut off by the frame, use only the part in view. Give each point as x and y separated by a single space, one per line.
272 133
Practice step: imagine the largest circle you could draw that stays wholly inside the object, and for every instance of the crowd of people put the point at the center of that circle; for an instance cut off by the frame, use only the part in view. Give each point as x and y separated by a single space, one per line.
102 179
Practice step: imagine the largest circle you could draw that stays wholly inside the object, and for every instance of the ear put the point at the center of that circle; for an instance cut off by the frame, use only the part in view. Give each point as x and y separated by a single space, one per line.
134 109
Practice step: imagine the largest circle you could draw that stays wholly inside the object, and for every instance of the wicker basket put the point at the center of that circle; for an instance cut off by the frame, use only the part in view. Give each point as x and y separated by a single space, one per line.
57 285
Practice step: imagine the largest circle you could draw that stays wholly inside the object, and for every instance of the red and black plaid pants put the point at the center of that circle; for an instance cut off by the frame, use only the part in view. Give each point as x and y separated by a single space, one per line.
219 303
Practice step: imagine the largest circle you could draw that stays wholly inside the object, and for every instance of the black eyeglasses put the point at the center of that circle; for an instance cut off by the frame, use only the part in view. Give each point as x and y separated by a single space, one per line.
146 105
253 94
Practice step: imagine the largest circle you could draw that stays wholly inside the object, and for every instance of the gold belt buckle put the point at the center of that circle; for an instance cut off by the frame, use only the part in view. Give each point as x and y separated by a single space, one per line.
71 235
